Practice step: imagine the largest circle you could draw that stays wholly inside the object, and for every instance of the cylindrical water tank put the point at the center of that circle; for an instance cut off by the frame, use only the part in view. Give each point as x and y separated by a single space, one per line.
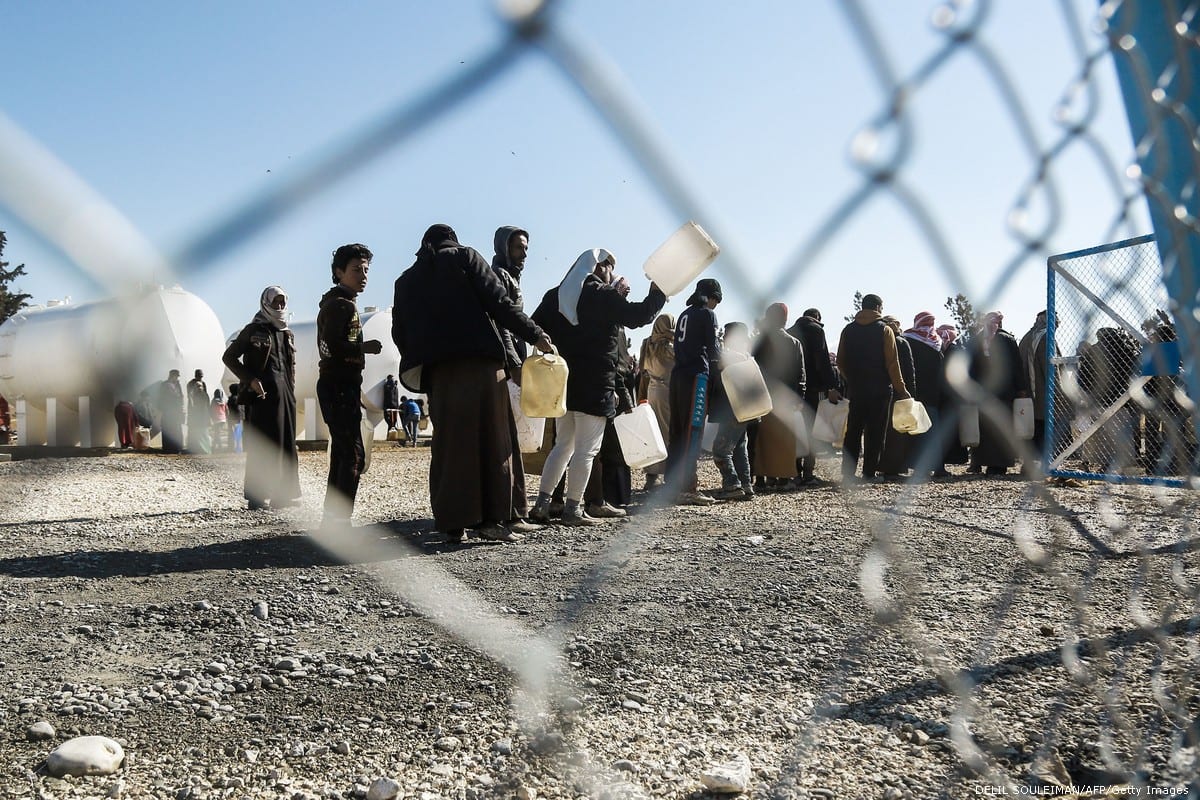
375 325
108 350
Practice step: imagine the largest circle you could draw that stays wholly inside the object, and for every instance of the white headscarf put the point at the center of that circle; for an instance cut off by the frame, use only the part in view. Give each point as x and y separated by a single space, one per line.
267 313
572 284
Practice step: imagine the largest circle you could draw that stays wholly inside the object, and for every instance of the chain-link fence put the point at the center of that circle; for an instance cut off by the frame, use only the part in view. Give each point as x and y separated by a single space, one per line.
1133 683
1117 407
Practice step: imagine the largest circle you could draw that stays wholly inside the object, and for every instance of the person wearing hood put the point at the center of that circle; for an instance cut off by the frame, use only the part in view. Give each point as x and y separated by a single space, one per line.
697 358
821 381
512 248
996 367
655 363
926 347
870 368
171 410
263 357
780 356
339 383
446 315
896 453
586 313
1035 362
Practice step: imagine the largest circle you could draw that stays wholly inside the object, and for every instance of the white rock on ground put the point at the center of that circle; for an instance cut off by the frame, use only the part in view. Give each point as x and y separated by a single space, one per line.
40 730
383 789
730 778
85 755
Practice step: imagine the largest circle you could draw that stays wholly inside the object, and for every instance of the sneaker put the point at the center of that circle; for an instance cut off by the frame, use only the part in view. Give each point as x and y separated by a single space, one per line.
557 507
494 532
805 480
519 525
540 514
604 510
694 499
578 519
747 494
653 481
456 536
729 493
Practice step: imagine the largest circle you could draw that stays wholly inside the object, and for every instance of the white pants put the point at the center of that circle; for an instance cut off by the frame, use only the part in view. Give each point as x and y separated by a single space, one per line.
577 438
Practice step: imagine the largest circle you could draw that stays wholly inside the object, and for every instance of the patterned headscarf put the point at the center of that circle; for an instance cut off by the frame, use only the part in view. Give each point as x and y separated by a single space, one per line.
924 330
947 333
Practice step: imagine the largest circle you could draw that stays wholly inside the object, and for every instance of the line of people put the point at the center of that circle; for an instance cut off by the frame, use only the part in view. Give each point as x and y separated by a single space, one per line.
460 325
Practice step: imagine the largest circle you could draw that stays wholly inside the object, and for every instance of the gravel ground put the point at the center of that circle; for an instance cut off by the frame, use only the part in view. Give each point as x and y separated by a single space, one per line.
961 638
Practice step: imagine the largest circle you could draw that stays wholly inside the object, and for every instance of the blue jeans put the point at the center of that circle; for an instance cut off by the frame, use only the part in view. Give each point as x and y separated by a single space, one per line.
730 455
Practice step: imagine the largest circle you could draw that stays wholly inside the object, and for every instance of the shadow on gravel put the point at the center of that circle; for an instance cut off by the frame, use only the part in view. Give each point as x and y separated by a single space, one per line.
867 709
281 551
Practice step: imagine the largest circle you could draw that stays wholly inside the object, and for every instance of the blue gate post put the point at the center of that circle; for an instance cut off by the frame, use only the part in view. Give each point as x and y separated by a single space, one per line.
1164 131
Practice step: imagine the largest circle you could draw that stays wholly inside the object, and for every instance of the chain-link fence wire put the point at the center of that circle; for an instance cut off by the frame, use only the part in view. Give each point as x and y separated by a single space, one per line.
1162 602
1117 407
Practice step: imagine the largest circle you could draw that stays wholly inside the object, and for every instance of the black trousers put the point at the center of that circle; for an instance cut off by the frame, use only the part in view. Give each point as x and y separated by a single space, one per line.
683 448
866 425
342 411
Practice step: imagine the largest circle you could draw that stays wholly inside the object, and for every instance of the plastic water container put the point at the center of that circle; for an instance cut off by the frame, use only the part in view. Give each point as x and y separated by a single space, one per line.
746 390
968 426
544 385
830 424
640 438
1023 417
909 416
529 429
684 255
800 431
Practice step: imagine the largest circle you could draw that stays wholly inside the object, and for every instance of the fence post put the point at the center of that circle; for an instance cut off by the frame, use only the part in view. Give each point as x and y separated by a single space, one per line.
1159 73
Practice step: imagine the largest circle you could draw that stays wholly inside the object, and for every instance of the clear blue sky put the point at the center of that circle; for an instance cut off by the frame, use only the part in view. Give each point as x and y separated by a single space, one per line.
179 112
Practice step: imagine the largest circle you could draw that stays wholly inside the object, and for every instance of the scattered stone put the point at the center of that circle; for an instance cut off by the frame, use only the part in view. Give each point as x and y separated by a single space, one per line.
547 743
624 765
448 744
730 778
85 755
892 793
383 789
920 737
40 731
526 793
216 668
1046 630
261 609
503 746
755 540
1049 768
116 789
202 605
631 705
342 748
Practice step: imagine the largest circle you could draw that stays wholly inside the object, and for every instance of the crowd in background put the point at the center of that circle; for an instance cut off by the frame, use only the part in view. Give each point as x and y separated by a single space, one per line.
461 327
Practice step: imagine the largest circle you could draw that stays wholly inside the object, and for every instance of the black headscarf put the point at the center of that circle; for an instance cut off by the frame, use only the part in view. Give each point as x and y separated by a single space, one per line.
706 288
437 237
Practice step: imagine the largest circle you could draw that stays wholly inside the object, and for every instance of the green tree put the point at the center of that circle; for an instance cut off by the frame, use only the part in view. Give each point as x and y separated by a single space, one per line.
11 301
857 306
963 313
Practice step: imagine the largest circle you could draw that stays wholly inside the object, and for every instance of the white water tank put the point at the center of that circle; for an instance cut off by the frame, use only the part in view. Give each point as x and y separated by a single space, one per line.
107 350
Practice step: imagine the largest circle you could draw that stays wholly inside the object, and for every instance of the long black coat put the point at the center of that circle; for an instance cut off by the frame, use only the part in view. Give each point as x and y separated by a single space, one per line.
819 374
446 307
591 347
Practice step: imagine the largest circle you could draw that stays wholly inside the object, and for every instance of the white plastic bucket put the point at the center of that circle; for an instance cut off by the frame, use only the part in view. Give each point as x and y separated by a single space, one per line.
529 429
1023 417
830 424
746 390
640 438
968 425
544 385
681 258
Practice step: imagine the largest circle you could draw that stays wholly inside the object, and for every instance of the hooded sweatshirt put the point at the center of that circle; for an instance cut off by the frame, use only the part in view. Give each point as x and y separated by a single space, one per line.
515 349
867 359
